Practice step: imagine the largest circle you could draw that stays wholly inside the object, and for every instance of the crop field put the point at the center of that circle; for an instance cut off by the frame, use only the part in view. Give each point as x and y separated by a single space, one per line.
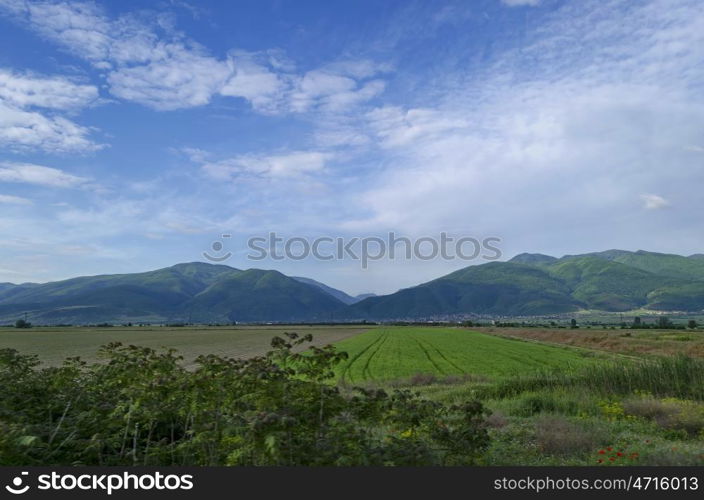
398 353
53 345
627 342
562 397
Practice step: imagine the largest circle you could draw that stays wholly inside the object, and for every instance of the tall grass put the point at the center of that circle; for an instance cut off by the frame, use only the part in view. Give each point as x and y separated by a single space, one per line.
678 376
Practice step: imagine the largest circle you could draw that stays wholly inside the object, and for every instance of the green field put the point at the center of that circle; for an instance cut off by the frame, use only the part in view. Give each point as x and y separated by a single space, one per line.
53 345
398 353
546 403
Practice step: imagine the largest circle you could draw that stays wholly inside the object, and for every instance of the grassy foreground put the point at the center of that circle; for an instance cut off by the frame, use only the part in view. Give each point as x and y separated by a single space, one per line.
549 404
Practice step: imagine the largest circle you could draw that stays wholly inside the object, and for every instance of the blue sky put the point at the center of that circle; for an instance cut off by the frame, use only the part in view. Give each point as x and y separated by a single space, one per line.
133 134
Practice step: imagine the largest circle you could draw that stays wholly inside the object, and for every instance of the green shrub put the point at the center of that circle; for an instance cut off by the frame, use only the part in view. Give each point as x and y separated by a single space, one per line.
142 407
683 418
555 435
533 403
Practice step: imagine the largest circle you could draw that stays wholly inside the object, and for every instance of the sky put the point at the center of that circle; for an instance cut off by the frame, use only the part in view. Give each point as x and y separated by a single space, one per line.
134 134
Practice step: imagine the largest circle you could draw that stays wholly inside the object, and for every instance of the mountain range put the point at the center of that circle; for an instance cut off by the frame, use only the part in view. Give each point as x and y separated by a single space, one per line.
528 284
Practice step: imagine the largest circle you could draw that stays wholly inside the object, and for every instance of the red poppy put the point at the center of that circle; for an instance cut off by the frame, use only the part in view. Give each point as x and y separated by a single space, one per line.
619 454
602 452
611 459
610 448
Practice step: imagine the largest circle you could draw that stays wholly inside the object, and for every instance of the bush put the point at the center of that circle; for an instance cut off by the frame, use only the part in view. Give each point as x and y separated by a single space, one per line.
533 403
142 407
648 408
671 414
496 420
423 379
556 435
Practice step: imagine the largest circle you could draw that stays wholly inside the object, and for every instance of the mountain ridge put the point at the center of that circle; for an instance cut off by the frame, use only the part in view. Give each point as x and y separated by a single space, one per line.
526 285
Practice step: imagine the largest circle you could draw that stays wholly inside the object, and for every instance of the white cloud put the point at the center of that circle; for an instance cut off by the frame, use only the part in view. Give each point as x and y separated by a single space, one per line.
151 64
336 87
25 90
37 174
359 69
181 79
289 165
331 89
78 26
255 79
396 127
542 152
518 3
654 202
22 130
145 61
14 200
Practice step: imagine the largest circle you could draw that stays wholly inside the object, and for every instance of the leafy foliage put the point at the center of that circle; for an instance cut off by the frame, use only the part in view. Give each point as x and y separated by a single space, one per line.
141 407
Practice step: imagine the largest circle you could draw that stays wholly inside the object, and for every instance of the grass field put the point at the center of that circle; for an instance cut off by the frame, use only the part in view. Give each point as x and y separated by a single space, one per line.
628 342
554 397
398 353
53 345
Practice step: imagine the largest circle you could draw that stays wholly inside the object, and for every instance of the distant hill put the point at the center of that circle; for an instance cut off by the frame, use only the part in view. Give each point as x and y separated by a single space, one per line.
533 258
663 264
258 295
338 294
528 284
184 292
501 288
534 284
363 296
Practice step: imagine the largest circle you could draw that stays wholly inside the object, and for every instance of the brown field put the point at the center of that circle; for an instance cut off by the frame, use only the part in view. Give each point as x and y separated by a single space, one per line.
628 342
53 345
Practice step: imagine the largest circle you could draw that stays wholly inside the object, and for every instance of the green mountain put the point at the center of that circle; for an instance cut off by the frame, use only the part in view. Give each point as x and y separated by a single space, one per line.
257 295
535 284
528 284
533 258
338 294
177 282
184 292
663 264
501 288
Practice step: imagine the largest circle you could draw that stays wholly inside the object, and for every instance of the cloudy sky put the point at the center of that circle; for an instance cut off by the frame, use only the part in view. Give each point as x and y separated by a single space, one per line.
134 134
